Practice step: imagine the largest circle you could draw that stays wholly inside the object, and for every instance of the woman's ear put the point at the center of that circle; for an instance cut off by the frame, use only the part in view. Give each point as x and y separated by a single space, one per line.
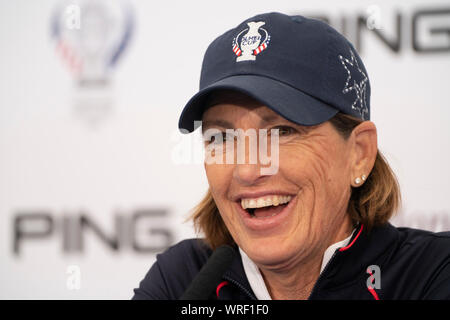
365 149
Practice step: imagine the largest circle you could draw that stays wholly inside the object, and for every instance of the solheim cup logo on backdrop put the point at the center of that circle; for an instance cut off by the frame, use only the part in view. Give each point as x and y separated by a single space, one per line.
90 37
249 42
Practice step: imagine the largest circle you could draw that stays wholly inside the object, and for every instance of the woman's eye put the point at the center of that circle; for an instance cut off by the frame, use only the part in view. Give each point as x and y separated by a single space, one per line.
218 138
285 130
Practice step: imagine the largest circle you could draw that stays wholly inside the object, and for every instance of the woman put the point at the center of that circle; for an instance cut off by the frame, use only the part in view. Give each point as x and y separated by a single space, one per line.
317 226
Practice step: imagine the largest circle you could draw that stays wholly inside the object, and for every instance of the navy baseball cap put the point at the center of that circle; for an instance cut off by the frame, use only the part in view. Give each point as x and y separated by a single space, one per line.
299 67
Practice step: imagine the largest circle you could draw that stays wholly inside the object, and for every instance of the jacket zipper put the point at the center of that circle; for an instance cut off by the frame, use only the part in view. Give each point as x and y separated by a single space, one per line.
240 286
314 289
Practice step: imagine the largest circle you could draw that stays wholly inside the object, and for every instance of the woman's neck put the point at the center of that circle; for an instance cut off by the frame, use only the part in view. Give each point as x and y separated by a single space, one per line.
297 281
294 284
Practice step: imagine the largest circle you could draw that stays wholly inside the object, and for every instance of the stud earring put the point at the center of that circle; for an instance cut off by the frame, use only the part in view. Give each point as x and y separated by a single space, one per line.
358 180
363 177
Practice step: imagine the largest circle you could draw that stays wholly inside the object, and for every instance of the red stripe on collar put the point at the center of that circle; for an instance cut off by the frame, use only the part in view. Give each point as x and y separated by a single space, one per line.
351 243
223 283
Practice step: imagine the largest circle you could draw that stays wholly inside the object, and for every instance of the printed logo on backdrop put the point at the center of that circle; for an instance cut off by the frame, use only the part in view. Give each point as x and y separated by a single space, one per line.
144 230
250 42
90 38
423 30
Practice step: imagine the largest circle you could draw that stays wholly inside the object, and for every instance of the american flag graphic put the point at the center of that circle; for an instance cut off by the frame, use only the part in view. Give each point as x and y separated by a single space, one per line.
236 50
69 57
260 49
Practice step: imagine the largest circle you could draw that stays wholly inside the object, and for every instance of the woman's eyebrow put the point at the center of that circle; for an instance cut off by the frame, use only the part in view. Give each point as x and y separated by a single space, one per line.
269 119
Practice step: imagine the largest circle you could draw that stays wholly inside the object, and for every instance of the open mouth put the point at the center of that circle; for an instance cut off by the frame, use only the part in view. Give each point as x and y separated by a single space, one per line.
265 207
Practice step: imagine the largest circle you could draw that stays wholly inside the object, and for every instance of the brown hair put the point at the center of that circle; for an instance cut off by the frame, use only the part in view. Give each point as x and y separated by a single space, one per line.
371 204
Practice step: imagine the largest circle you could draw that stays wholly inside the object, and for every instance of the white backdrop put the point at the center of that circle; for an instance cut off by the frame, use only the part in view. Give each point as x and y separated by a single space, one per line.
104 154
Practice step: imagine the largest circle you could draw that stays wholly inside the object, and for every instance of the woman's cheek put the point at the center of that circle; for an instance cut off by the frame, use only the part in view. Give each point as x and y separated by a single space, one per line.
219 179
216 177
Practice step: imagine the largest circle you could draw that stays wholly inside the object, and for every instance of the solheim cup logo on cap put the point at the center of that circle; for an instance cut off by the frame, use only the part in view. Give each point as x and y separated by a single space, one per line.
247 46
356 81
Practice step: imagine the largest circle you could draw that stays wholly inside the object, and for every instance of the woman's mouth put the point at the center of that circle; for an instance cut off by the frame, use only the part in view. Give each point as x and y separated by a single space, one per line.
264 207
267 212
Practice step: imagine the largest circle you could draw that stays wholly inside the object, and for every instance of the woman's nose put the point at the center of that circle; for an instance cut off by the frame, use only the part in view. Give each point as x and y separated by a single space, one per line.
248 169
247 173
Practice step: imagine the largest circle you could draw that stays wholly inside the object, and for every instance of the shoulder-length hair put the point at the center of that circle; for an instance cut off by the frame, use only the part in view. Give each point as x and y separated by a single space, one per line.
371 204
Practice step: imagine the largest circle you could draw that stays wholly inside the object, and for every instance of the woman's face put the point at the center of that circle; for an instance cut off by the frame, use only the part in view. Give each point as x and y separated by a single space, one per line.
313 177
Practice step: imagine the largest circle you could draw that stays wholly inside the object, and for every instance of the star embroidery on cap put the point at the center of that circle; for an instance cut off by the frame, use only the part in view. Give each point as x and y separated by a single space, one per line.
356 81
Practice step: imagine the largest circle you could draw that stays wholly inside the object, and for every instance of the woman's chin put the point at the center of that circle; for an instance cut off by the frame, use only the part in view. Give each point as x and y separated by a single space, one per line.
268 252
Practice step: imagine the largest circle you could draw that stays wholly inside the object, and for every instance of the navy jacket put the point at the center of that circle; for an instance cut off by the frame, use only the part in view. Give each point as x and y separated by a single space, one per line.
414 264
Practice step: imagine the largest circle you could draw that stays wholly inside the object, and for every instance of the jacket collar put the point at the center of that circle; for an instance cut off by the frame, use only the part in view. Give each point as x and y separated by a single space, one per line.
365 248
236 275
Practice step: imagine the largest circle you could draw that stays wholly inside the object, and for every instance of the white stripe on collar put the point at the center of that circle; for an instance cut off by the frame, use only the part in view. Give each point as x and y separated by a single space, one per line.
256 280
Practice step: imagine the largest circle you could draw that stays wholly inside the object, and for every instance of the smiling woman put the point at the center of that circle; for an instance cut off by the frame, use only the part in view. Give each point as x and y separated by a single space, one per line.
316 226
371 203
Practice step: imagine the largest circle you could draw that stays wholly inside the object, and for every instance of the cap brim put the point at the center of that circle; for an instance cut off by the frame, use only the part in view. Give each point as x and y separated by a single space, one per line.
291 103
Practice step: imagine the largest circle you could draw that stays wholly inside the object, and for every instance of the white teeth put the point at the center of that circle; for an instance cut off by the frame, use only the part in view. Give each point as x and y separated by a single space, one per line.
266 201
260 203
